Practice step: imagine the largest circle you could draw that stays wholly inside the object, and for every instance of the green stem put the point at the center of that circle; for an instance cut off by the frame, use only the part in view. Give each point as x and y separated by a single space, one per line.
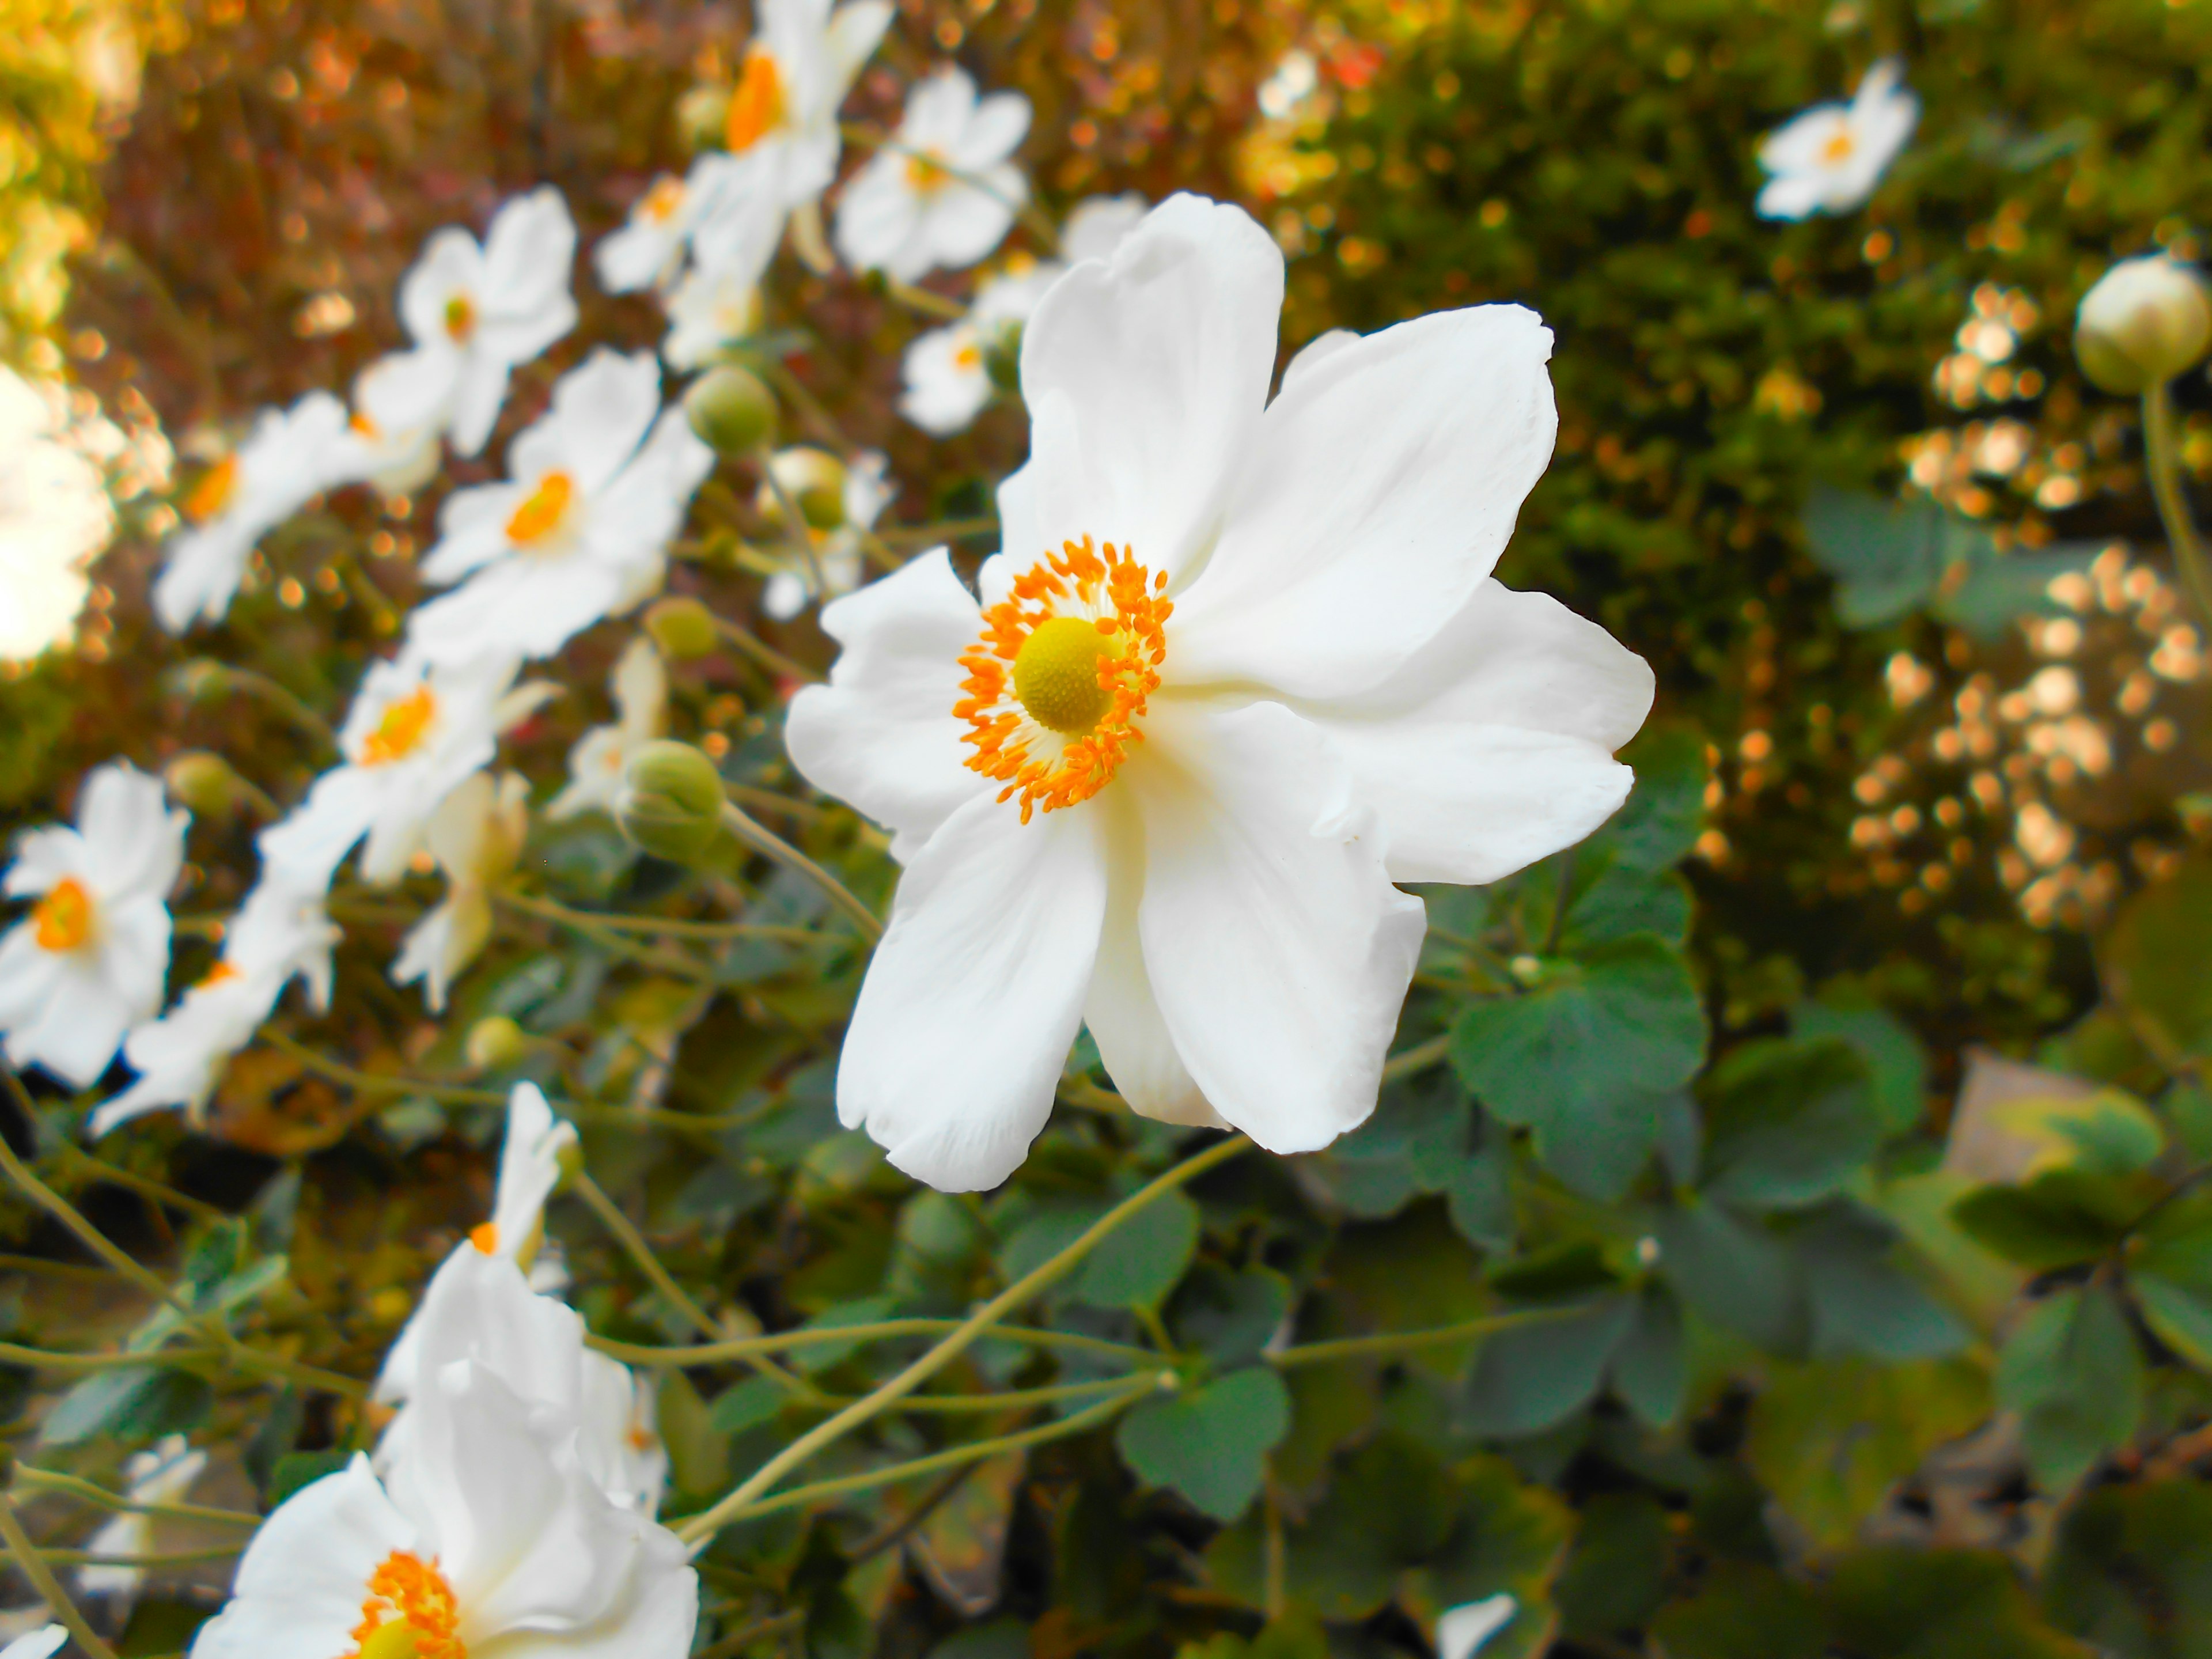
765 842
1418 1058
33 1567
680 928
645 956
766 655
881 1330
961 1405
283 700
945 530
921 299
101 1170
92 1492
704 1525
2162 449
48 1359
1388 1342
795 527
746 1635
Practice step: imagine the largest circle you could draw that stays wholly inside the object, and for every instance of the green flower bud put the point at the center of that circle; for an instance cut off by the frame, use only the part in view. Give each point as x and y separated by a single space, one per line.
2146 321
495 1043
702 114
671 802
1002 358
814 479
684 629
731 410
203 782
201 680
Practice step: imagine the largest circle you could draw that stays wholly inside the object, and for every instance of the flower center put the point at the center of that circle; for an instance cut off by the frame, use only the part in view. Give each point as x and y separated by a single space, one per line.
402 730
460 317
410 1612
213 492
63 920
1839 146
756 105
222 972
663 201
542 511
366 426
1061 676
485 1236
926 172
969 357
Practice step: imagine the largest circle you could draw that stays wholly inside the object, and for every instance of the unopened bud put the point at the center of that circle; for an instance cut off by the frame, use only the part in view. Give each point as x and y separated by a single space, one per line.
731 410
814 479
684 629
702 114
201 680
495 1043
671 802
2146 321
203 782
1002 358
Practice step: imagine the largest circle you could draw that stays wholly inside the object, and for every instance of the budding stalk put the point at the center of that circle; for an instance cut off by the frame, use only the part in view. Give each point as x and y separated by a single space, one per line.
2146 321
671 802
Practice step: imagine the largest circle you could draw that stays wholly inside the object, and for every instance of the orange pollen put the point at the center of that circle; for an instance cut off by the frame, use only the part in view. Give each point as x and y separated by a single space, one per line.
365 426
401 731
968 356
544 511
485 1236
63 920
1129 606
663 201
460 316
407 1589
217 974
926 173
212 493
756 105
1839 146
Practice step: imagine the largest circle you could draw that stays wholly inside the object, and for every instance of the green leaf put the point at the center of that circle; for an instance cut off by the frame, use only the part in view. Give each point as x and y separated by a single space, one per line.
1390 1507
1510 1538
2171 1275
2131 1572
1660 821
129 1403
2073 1372
1864 1301
1735 1275
1887 556
1209 1444
698 1449
2061 1217
1617 1570
1903 1603
1624 1021
1789 1122
1137 1264
747 1405
1529 1377
1651 1372
1742 1611
1896 1064
2156 957
1228 1316
295 1470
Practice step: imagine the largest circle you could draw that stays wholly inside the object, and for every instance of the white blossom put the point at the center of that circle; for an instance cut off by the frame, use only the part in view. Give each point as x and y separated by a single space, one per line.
161 1475
602 755
1463 1632
476 836
1830 157
946 193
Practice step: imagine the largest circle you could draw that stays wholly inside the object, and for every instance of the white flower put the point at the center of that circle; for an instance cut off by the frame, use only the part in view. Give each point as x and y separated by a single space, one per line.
476 312
414 731
492 1538
398 417
89 962
797 70
602 755
839 555
161 1476
1462 1632
1098 224
947 380
945 194
1830 158
647 251
1295 77
708 310
476 836
291 456
1240 668
41 1644
580 531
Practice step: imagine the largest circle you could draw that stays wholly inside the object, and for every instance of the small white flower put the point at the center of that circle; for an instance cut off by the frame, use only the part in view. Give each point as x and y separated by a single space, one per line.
649 249
580 531
89 961
946 194
291 456
1829 158
602 755
709 311
491 1538
1295 78
1462 1632
476 836
948 380
414 731
41 1644
840 556
783 113
475 312
398 419
161 1476
1240 668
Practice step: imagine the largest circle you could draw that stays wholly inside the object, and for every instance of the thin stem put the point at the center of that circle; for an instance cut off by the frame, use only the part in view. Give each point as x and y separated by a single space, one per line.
882 1330
165 1558
39 1264
766 655
765 842
704 1525
92 1492
34 1568
960 1405
1418 1058
667 962
283 700
1386 1342
888 1536
944 530
797 531
921 299
2162 449
100 1168
48 1359
681 928
746 1635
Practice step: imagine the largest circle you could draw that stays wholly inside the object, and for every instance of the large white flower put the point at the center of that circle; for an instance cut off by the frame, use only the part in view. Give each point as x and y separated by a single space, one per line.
162 1474
838 555
89 962
414 731
476 836
1829 158
946 193
490 1538
475 312
602 755
291 456
580 530
1240 668
797 70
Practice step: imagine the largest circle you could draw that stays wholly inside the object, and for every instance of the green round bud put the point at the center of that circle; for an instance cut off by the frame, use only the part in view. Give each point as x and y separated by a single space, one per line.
205 782
2145 321
684 629
670 802
703 114
731 410
201 680
495 1043
1002 358
813 479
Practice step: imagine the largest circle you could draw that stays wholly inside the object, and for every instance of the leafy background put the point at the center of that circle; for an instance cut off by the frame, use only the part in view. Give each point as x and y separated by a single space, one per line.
1798 1183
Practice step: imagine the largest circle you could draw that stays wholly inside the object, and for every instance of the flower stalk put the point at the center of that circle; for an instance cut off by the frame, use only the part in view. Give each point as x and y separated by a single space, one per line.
2162 451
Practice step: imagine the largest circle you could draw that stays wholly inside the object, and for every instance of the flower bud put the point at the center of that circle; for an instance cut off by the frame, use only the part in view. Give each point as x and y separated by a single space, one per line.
203 782
671 802
684 629
731 410
814 479
495 1043
702 114
2146 321
1002 358
201 680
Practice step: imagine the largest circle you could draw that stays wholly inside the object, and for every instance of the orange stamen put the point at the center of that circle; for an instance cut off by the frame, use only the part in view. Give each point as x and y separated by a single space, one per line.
1839 147
926 173
402 728
407 1589
544 511
460 317
664 199
757 108
63 919
212 493
485 1236
217 974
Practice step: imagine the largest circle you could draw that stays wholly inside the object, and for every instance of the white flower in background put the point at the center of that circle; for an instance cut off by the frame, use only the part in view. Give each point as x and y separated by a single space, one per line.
162 1474
41 1644
839 556
580 531
602 755
1462 1632
1098 224
948 378
475 312
1295 78
945 193
1240 668
399 416
54 510
89 961
708 311
414 731
1830 158
291 456
476 836
783 113
493 1541
648 250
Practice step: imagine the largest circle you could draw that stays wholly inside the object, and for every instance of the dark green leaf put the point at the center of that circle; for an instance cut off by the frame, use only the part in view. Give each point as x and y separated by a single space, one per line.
1659 823
1788 1122
297 1469
1209 1444
1228 1316
1140 1261
2061 1217
1895 1062
1617 1570
2131 1571
1900 1603
131 1403
1736 1274
2073 1371
2157 957
1864 1301
1529 1377
1650 1372
1742 1612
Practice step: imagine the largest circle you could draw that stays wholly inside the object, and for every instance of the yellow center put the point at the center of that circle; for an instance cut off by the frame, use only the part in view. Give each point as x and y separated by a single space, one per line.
926 173
409 1613
542 511
365 426
1056 674
1839 147
460 317
213 492
485 1236
402 730
969 357
63 920
664 199
757 108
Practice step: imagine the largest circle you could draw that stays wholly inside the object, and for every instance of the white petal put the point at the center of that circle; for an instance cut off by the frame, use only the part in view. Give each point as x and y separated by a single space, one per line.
1463 1631
135 843
450 263
852 33
601 412
1385 484
1277 950
528 1168
479 392
877 215
963 225
77 1033
994 132
528 252
954 1052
